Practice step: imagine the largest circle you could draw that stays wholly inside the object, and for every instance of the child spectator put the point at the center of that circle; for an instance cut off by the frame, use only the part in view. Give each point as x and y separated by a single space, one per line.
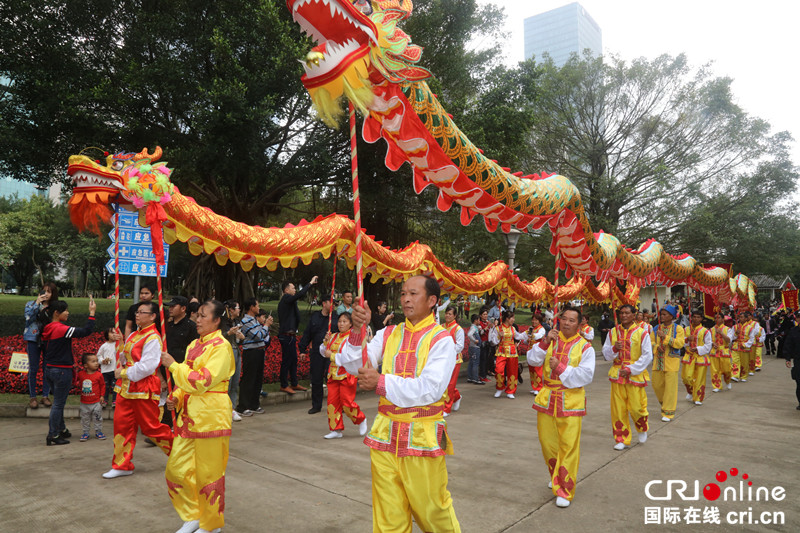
107 355
93 387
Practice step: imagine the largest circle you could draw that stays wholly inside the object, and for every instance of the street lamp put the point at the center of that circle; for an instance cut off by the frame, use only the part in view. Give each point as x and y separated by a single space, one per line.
512 238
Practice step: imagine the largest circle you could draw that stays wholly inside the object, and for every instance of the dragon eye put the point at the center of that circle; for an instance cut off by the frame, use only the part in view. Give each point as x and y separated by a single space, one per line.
117 165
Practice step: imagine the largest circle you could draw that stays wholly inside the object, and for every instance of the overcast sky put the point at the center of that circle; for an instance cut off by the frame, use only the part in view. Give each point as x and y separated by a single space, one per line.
755 43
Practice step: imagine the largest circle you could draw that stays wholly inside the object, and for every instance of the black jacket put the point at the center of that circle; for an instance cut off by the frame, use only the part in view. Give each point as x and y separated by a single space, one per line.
316 330
791 348
288 313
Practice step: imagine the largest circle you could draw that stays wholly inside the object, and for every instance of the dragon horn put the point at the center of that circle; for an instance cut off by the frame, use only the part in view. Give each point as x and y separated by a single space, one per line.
155 156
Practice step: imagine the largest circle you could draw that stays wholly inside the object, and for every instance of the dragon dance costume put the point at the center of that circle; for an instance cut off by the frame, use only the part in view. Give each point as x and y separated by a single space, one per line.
744 338
506 366
628 388
561 405
408 439
721 339
535 372
341 387
138 391
452 395
666 364
695 361
196 468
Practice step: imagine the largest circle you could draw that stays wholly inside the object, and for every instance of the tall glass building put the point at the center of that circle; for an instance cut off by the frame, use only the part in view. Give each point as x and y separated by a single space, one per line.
560 32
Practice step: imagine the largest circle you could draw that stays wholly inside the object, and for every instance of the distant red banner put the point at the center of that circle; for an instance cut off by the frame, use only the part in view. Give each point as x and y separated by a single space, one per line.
790 299
710 306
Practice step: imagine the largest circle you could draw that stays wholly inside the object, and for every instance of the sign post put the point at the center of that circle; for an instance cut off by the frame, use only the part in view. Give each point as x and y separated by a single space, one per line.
135 249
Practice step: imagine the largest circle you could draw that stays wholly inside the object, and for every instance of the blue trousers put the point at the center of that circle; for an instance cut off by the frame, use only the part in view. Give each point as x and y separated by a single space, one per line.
34 356
60 383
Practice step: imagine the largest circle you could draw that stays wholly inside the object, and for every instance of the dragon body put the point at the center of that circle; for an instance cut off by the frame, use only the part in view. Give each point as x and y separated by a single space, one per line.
139 182
363 56
403 111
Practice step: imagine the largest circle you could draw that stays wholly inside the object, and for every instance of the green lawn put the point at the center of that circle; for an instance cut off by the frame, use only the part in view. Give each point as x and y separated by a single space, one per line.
13 304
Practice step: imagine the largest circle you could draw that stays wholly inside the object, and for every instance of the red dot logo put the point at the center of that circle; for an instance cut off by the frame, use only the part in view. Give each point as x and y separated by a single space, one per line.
734 471
721 476
711 492
745 476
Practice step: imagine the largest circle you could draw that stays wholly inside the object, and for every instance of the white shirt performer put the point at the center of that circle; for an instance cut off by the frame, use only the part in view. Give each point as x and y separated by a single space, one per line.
568 361
408 439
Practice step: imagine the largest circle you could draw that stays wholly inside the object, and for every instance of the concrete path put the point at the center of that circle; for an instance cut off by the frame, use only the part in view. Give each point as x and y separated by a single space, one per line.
283 476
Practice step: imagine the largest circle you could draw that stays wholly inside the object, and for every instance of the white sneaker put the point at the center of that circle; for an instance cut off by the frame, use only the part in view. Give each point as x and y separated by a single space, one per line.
201 530
533 392
189 527
715 390
510 396
750 374
698 403
735 379
362 427
445 414
457 404
620 446
111 474
562 502
743 380
689 397
333 435
642 437
497 394
237 417
550 484
665 419
729 386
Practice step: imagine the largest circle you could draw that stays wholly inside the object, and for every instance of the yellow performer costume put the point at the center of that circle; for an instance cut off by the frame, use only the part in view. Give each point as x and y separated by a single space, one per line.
561 405
408 438
744 338
695 362
196 467
760 335
721 339
628 376
666 364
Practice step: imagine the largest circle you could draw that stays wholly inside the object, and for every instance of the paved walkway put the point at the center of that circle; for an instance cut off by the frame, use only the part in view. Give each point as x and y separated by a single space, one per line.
283 476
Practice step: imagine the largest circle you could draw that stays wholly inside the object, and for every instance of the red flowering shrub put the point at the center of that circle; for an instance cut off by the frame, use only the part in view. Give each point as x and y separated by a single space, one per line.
272 364
12 382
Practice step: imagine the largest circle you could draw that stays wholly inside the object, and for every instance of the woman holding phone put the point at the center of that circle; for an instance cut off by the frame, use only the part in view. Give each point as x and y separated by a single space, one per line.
34 324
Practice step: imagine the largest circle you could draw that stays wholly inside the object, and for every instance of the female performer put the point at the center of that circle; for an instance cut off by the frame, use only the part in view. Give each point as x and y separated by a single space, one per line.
507 362
341 385
196 467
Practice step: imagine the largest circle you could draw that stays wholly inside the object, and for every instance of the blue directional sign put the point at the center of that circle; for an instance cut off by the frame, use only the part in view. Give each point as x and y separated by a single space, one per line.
136 256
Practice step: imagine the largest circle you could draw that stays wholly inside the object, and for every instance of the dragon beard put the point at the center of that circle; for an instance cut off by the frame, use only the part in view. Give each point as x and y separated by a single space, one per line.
86 214
353 84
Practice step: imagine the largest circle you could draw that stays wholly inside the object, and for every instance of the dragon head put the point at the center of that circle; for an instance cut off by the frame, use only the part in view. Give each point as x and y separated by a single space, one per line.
127 178
357 44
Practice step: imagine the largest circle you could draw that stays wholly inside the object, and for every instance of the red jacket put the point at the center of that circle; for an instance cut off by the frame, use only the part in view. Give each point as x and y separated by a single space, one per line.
93 386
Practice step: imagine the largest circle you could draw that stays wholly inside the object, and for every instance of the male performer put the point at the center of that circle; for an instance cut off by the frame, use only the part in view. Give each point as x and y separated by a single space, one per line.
743 340
760 335
669 339
628 346
138 390
452 398
695 360
408 439
721 338
586 331
568 361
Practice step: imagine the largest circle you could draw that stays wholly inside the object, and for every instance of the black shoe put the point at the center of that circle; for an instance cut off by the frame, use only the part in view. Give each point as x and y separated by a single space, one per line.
263 394
480 383
314 410
65 434
56 440
798 407
149 442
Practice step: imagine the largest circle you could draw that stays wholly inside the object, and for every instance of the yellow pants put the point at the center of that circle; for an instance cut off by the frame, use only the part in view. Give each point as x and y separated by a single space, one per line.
627 400
694 378
403 487
740 363
720 370
196 479
665 385
560 438
755 358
